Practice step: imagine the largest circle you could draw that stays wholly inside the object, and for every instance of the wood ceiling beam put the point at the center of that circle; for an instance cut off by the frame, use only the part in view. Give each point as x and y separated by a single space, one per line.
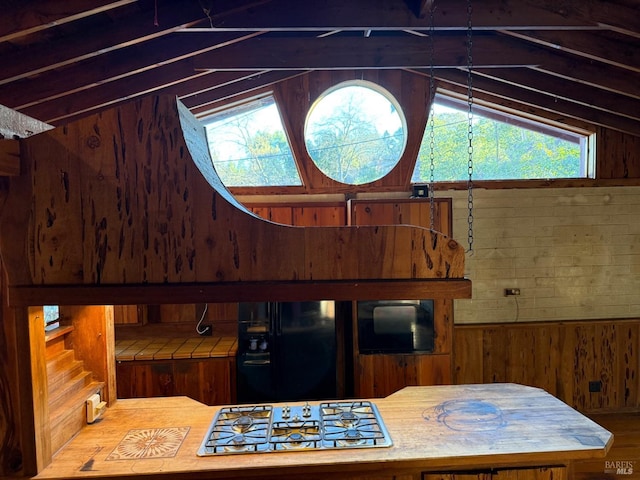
34 16
542 101
178 78
204 102
585 71
609 14
581 94
77 47
86 101
339 53
358 15
587 45
101 70
513 106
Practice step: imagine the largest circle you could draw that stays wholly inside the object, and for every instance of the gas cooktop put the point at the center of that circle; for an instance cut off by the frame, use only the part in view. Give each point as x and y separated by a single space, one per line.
264 428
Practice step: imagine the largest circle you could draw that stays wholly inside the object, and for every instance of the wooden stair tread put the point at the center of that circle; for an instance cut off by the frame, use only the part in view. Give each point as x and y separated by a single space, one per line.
62 394
72 402
59 377
59 361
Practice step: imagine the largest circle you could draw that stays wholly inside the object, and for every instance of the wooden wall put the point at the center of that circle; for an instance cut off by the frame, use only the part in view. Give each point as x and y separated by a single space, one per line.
11 424
561 357
130 197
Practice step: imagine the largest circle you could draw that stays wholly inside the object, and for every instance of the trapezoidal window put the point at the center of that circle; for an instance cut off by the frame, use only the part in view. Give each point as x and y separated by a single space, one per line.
505 147
249 147
355 132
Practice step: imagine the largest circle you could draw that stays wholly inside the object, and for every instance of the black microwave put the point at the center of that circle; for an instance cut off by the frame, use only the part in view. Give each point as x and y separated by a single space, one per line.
395 326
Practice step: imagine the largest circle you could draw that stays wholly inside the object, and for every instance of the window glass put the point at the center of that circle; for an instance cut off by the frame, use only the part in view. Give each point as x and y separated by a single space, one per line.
354 133
249 146
505 147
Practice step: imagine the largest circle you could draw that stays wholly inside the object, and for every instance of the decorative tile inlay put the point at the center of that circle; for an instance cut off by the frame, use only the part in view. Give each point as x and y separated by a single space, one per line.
149 443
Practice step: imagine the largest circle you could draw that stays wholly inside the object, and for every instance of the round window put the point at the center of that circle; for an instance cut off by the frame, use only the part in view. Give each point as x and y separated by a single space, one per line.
355 132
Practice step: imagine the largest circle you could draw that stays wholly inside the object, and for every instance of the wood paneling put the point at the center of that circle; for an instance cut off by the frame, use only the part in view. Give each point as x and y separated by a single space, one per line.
210 381
13 452
563 358
618 155
295 96
303 214
92 340
166 219
381 375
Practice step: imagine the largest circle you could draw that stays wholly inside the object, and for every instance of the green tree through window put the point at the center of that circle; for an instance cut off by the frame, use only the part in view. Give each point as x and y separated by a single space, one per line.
504 148
249 147
354 133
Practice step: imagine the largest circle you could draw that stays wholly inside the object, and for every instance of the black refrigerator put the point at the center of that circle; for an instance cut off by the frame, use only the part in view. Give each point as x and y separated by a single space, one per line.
286 351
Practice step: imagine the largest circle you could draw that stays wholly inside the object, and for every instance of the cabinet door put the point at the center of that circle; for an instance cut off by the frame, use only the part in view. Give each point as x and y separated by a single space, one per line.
540 473
403 211
480 475
207 381
329 215
210 381
144 379
382 375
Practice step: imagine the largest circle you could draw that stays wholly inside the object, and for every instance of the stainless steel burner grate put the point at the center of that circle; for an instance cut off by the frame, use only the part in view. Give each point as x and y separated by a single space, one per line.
263 428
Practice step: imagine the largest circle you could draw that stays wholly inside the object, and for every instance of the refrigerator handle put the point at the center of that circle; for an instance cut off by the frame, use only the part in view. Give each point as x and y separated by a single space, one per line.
275 318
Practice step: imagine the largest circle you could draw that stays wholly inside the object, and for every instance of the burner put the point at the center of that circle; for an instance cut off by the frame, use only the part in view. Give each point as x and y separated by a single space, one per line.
295 435
348 419
263 428
351 424
351 438
238 429
242 423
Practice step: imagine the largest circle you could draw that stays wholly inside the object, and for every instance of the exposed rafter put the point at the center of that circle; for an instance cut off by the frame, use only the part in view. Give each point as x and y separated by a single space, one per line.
575 59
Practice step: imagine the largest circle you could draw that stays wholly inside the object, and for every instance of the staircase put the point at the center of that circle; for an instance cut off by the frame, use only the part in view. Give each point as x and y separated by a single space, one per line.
69 386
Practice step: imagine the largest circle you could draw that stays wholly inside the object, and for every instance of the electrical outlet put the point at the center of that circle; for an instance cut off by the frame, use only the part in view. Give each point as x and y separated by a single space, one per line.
95 407
595 386
509 292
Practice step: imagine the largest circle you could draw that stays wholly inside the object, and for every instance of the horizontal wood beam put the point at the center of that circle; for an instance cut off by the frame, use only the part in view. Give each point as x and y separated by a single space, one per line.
238 292
202 102
34 16
109 67
600 48
582 94
127 88
543 101
335 53
124 32
359 15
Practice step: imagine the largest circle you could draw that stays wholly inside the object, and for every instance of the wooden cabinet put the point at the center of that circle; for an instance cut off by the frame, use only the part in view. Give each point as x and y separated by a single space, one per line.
210 381
538 473
403 211
303 214
379 375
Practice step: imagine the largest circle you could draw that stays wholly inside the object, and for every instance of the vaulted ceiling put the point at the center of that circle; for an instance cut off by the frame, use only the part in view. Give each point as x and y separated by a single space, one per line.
576 60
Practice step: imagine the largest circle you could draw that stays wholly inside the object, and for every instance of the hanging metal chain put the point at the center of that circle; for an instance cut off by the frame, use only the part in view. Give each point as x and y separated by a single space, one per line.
432 92
470 126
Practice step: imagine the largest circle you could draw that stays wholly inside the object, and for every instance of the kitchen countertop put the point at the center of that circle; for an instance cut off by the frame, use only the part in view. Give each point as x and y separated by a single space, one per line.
437 428
163 348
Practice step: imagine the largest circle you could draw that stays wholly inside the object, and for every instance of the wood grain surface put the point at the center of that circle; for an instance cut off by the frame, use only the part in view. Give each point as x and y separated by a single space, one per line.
130 196
438 428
